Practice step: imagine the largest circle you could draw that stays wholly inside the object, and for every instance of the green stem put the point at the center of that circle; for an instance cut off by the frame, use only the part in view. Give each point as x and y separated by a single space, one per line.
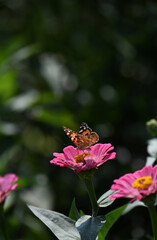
92 196
2 222
153 216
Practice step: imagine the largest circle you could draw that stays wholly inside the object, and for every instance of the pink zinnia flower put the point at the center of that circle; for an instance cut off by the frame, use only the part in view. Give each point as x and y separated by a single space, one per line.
7 185
83 160
137 185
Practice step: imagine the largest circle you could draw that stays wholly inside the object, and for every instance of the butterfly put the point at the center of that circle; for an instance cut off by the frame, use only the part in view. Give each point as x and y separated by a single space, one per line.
84 139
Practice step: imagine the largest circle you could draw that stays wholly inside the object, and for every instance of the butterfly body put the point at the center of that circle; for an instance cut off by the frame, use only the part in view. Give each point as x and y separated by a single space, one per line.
84 139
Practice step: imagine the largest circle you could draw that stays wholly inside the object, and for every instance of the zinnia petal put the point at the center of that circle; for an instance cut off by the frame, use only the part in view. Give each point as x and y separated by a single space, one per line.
83 160
145 183
7 184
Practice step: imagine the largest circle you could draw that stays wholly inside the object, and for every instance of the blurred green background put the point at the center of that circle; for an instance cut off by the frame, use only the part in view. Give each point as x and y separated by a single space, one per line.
61 63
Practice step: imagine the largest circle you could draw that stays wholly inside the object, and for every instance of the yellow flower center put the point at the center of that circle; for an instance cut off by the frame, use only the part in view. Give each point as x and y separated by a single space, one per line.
80 158
142 183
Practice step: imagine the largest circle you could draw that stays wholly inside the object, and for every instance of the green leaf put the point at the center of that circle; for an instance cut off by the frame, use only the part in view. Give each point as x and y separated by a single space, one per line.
130 206
82 213
111 218
155 204
104 200
74 213
89 227
61 226
150 161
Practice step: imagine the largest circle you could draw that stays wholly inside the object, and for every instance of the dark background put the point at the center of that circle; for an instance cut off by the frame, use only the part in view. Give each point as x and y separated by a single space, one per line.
61 63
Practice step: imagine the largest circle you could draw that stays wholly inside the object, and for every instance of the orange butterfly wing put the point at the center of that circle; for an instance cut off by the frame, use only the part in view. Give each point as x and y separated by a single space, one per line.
84 139
71 134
